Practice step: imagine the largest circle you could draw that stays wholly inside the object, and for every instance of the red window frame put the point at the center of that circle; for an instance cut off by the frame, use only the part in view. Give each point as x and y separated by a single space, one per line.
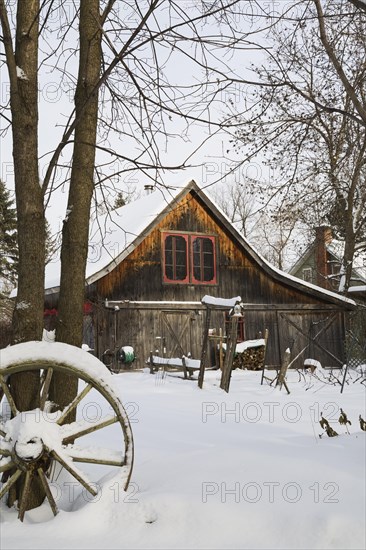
190 239
202 254
166 279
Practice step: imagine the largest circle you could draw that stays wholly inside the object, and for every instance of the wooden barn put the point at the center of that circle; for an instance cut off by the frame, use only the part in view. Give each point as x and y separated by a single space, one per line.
152 261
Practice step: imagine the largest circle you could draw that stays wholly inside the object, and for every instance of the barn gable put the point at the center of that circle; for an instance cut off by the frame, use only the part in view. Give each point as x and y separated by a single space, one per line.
189 210
162 254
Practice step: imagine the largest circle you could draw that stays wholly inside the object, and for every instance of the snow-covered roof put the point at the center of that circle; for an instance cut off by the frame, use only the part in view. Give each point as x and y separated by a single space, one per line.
278 273
306 284
115 235
357 288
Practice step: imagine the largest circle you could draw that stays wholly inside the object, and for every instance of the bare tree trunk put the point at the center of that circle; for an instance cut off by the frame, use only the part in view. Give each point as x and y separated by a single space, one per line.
76 225
348 255
22 62
28 312
22 65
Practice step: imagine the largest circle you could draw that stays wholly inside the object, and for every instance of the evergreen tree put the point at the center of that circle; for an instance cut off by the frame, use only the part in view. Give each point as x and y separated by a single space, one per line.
124 197
120 200
51 243
8 237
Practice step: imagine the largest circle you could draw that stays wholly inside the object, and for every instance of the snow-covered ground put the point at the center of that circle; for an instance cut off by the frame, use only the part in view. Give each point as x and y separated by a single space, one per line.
241 470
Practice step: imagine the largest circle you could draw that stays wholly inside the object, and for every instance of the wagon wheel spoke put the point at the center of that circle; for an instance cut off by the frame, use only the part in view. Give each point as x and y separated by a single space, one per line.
46 388
95 455
74 403
96 460
47 490
42 378
77 475
25 494
90 428
7 466
5 452
2 432
10 482
9 397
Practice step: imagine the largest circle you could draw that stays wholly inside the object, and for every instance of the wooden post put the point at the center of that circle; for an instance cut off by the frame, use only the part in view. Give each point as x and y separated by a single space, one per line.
265 351
204 348
221 352
282 374
230 352
151 363
184 366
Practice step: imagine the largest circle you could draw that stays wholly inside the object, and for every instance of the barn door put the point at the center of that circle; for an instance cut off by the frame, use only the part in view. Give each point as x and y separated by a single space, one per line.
182 332
312 334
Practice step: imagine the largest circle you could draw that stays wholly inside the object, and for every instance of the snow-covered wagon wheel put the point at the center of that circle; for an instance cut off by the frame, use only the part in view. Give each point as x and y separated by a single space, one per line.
39 442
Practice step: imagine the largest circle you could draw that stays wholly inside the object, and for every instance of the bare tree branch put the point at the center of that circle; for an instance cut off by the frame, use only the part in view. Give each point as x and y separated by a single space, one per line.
337 64
360 4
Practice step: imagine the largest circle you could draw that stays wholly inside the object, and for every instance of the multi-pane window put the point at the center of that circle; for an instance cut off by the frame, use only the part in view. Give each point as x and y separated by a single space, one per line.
203 259
307 274
189 258
175 258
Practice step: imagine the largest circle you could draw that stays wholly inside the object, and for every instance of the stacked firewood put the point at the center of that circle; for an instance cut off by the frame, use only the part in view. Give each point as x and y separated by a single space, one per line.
251 359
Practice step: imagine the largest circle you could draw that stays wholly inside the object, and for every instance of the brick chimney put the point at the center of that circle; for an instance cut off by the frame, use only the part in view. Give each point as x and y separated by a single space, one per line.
323 236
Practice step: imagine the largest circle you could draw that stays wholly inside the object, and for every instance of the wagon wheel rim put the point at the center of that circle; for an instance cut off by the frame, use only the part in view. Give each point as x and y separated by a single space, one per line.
25 452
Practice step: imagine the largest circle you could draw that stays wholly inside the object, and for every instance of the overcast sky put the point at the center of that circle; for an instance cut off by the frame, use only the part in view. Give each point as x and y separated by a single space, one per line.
210 162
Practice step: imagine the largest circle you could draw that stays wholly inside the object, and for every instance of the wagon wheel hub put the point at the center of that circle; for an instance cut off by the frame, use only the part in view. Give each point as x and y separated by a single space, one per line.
27 433
30 450
30 455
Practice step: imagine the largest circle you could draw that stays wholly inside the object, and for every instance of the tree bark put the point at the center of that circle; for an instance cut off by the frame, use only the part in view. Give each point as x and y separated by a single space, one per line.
348 255
28 312
75 232
22 62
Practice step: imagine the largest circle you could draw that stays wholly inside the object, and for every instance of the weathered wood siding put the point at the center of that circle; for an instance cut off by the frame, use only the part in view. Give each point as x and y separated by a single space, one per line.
147 328
275 305
139 277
